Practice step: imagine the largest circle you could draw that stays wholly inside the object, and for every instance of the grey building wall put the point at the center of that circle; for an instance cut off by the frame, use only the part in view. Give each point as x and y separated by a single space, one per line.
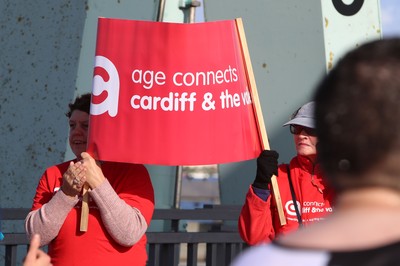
39 55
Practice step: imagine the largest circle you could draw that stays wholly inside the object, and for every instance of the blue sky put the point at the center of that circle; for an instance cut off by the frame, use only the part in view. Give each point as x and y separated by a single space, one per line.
390 15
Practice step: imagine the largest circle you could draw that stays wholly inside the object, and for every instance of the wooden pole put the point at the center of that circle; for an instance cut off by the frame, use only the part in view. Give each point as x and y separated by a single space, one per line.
85 208
258 112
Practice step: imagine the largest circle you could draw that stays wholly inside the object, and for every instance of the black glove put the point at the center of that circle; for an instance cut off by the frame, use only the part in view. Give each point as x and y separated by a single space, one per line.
267 166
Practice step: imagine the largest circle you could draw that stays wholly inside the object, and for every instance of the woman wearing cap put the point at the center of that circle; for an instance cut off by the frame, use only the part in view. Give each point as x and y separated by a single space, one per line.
300 181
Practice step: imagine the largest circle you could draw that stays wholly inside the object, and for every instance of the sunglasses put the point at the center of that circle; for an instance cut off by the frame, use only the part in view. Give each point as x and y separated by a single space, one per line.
296 130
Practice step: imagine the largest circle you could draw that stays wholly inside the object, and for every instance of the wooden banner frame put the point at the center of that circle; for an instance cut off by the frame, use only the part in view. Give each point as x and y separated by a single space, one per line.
85 208
258 112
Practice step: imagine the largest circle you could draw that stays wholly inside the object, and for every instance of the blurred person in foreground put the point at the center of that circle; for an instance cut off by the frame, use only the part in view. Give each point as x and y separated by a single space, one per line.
36 256
299 181
120 209
357 122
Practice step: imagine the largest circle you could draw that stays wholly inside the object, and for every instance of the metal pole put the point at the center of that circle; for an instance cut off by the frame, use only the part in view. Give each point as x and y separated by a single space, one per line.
160 11
178 187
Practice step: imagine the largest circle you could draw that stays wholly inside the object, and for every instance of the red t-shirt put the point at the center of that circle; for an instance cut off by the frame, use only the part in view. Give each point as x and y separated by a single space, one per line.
96 247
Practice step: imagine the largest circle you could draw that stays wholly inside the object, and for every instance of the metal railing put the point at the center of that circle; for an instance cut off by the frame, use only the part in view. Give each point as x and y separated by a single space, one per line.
222 243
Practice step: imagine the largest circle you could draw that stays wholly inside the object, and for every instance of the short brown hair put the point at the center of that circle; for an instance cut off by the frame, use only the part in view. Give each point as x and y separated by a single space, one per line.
81 103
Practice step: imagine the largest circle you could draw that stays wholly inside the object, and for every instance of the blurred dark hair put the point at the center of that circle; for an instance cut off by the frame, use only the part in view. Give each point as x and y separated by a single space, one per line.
357 116
81 103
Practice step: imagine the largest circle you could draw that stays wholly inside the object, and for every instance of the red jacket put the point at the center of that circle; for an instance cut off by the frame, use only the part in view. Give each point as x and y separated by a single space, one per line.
259 220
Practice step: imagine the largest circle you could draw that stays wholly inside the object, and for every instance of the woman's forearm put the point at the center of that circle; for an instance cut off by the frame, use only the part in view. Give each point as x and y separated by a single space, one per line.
123 222
48 220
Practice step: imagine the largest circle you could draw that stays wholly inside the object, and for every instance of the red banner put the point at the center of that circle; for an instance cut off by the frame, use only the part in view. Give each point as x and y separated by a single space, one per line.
171 94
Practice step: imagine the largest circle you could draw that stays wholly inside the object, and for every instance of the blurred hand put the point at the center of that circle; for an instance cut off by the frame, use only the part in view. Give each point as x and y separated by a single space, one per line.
267 166
36 256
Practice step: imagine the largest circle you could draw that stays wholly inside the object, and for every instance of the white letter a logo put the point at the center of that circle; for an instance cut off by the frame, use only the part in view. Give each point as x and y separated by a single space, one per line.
110 104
